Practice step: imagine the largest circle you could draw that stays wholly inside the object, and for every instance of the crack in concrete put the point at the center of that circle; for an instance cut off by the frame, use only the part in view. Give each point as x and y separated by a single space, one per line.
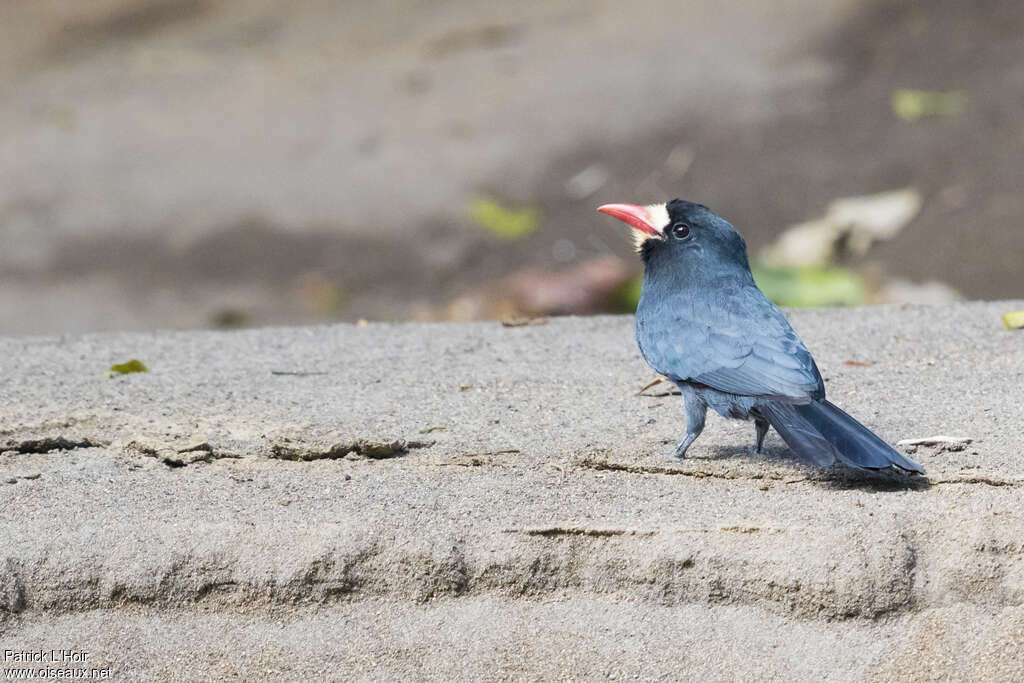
44 445
476 459
359 448
577 531
206 452
882 481
181 457
22 477
605 465
985 481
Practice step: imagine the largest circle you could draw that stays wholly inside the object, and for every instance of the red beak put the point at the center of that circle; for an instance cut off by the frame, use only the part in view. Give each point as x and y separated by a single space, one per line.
636 216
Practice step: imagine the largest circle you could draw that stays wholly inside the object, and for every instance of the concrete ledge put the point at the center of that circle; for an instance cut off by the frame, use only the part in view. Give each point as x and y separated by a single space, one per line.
357 499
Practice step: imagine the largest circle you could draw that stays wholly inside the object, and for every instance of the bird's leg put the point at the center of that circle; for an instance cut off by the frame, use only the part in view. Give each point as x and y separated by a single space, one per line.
761 426
696 411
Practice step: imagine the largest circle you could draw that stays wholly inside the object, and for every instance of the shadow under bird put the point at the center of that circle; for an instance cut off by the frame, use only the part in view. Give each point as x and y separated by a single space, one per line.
703 323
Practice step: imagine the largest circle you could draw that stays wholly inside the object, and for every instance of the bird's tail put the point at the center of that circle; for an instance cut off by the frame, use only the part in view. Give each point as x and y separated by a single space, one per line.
820 432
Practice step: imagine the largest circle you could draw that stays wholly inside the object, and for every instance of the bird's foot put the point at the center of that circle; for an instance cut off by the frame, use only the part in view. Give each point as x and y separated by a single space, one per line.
682 446
762 429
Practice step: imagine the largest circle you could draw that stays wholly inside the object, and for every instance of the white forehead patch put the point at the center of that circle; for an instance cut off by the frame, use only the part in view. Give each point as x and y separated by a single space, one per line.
657 214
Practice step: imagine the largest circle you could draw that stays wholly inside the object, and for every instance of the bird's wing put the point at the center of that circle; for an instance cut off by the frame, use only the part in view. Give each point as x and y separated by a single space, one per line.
736 341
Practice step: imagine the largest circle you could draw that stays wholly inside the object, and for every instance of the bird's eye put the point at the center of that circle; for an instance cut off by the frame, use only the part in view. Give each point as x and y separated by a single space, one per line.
681 230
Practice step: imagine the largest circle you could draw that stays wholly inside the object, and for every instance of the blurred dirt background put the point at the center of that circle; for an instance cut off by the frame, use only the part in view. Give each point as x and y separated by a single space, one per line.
197 163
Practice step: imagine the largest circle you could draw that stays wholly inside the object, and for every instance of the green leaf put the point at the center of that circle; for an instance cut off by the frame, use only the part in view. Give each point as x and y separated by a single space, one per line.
625 298
911 105
503 222
805 286
1014 320
134 365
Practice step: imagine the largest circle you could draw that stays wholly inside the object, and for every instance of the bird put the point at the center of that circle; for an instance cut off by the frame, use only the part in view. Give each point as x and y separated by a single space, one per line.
703 323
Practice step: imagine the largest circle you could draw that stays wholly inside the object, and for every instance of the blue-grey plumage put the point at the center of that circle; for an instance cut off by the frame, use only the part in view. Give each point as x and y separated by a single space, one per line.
704 324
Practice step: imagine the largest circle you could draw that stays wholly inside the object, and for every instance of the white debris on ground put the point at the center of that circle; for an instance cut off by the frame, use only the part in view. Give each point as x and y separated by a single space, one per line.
849 226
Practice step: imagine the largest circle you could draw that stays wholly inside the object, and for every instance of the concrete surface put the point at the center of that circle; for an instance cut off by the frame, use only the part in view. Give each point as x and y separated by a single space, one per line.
483 502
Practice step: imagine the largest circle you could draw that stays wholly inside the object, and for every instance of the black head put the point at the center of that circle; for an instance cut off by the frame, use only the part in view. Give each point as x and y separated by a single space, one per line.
682 235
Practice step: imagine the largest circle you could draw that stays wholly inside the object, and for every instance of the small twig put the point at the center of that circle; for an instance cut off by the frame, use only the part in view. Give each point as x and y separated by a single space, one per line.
654 382
559 468
429 430
477 455
523 322
939 440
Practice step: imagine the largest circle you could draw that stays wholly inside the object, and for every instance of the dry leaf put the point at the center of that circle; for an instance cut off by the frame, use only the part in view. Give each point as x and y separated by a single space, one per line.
1014 320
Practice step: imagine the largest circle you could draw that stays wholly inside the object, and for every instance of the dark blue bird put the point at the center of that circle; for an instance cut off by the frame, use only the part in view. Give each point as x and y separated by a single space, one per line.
704 324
